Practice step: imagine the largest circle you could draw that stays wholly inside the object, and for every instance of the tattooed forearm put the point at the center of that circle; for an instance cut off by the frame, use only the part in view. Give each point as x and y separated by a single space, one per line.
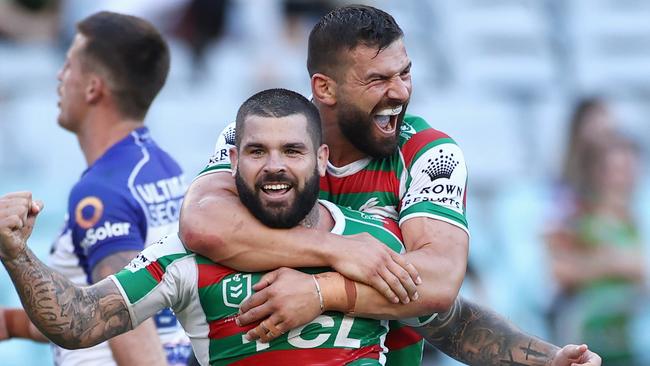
70 316
477 336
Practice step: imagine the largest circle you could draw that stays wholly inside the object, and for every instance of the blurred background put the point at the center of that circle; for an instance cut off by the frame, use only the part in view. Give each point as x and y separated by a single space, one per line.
549 99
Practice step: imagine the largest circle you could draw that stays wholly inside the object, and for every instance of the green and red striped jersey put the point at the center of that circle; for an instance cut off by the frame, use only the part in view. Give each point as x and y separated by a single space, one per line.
206 296
425 177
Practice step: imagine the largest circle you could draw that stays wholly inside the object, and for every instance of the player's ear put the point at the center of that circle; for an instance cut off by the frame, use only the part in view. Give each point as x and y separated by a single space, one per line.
94 88
232 154
322 156
323 89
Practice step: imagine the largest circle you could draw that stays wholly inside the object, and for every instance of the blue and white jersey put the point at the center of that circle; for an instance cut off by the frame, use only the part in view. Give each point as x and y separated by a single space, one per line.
129 198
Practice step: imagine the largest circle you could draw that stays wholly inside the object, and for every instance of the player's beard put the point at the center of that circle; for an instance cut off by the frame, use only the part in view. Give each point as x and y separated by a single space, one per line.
357 126
279 217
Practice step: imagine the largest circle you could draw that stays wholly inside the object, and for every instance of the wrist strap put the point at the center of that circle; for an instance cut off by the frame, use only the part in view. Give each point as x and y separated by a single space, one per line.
351 293
320 294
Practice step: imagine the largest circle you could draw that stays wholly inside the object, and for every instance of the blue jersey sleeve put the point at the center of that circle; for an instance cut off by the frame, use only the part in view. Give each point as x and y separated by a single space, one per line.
104 221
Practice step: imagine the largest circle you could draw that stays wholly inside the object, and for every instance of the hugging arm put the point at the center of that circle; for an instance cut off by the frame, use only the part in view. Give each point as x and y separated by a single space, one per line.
475 335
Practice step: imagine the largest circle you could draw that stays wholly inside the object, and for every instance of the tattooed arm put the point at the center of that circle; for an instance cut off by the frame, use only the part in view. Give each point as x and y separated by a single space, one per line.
140 346
70 316
478 336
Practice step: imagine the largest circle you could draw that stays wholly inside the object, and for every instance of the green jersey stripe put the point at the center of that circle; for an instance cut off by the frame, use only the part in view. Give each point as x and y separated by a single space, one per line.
139 281
432 210
214 169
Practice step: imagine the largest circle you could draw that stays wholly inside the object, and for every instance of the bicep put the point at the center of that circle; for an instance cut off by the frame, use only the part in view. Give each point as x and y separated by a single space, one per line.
208 187
203 200
439 251
421 231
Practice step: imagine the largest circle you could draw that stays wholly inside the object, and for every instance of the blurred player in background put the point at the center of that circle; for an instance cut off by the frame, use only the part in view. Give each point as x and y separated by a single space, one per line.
131 192
597 256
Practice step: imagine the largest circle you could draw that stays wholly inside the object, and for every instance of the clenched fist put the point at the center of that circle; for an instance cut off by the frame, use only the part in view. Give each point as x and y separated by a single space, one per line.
17 215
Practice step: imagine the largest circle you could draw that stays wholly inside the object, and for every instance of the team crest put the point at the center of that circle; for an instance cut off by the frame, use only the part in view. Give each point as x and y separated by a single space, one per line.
236 289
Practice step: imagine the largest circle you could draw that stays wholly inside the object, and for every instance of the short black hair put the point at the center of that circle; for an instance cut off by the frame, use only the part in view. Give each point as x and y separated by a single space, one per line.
132 52
279 103
345 28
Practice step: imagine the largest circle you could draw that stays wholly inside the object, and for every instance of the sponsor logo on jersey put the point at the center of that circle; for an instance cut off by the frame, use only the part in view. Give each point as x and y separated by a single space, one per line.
137 263
370 204
163 199
221 156
222 151
372 209
450 202
108 230
442 179
229 135
236 289
441 167
407 130
448 189
88 212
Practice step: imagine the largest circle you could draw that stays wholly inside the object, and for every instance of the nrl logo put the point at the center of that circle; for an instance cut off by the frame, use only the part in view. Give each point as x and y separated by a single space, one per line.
236 289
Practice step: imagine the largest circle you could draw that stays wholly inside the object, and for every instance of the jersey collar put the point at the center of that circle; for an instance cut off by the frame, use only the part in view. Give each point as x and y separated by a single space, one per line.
337 216
349 169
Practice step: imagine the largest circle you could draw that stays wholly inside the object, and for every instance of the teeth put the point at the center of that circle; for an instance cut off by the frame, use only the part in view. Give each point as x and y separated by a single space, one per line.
275 187
390 111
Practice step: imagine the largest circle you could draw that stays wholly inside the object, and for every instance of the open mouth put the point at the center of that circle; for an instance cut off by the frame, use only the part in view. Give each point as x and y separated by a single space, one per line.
386 119
275 189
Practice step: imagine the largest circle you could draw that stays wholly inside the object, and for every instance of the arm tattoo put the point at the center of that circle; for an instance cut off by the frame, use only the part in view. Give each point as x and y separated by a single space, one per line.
70 316
477 336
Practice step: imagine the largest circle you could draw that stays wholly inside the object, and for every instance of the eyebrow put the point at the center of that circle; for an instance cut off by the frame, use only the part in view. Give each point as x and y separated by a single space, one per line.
295 145
290 145
252 145
381 76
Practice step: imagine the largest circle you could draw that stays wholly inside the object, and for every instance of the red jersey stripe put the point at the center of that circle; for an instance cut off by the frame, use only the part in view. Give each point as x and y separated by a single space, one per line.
227 327
401 337
156 271
211 274
393 227
365 181
310 356
419 141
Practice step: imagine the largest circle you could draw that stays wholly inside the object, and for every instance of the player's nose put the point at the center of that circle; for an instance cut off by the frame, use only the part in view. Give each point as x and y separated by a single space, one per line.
274 163
399 90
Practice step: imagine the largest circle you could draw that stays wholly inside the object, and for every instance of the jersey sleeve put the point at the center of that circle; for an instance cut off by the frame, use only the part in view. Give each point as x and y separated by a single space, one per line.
161 276
220 159
104 221
436 179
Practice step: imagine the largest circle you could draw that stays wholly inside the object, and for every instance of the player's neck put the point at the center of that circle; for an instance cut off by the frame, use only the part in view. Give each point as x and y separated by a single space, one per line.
98 134
319 218
342 152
